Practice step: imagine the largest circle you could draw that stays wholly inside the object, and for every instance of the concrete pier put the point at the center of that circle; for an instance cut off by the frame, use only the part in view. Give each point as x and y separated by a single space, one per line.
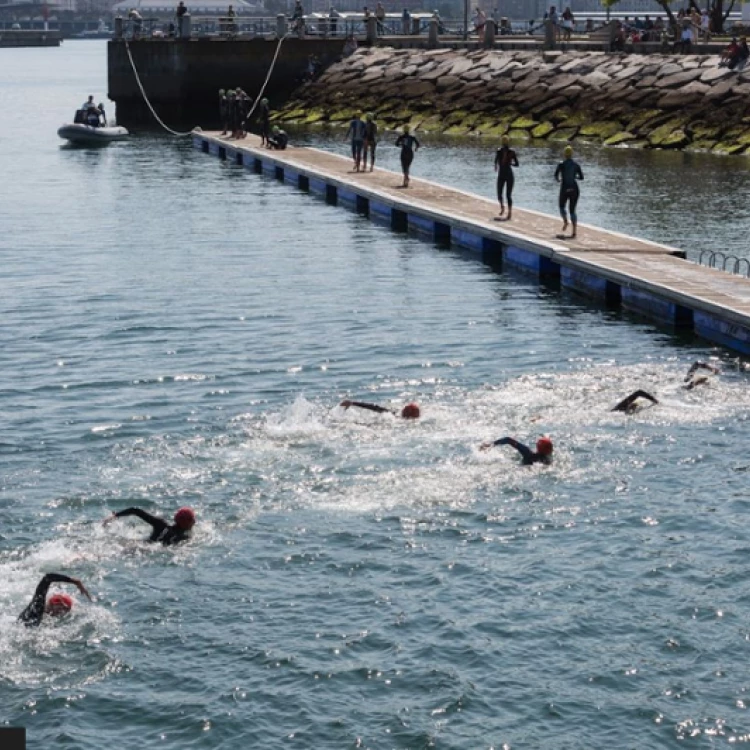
648 278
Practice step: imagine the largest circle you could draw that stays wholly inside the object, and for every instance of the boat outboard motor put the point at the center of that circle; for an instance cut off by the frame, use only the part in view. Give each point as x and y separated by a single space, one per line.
80 117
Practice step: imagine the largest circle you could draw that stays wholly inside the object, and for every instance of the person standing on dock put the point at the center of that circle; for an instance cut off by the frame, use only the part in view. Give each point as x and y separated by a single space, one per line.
542 455
371 140
356 134
505 160
408 144
264 117
568 173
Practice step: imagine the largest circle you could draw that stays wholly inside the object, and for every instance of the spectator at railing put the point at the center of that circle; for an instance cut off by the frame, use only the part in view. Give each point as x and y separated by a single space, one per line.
350 46
136 21
380 15
706 25
480 21
333 16
568 21
406 22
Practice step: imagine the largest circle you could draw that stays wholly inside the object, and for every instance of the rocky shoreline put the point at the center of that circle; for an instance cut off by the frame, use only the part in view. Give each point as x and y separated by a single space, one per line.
655 101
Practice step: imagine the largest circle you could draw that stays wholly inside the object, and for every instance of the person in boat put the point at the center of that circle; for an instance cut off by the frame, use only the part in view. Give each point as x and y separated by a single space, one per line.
56 606
162 531
410 411
93 117
634 402
278 139
89 103
542 454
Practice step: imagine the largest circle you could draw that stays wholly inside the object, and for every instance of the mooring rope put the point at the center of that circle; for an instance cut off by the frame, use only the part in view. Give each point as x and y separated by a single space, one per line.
178 133
148 103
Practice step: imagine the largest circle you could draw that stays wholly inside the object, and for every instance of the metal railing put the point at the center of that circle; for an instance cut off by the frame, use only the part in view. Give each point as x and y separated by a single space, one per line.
729 263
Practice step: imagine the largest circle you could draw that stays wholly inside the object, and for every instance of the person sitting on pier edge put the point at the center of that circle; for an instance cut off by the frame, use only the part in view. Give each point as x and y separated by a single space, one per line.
410 411
371 140
167 534
408 144
692 380
505 160
567 174
632 403
356 134
56 606
542 455
278 139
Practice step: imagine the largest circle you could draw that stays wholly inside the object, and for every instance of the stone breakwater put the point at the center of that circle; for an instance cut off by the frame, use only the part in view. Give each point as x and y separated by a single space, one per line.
656 101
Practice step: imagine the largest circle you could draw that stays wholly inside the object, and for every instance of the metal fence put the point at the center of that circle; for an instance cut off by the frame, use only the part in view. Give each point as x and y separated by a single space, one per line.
725 262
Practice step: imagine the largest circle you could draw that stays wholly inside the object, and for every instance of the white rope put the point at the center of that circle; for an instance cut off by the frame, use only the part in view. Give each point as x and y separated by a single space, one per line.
268 78
145 98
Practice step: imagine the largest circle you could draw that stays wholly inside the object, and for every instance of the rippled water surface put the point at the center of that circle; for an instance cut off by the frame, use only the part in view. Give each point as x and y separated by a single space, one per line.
179 331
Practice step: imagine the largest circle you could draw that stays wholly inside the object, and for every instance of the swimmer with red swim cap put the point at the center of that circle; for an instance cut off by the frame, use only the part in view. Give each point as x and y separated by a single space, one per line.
56 606
542 455
410 411
163 532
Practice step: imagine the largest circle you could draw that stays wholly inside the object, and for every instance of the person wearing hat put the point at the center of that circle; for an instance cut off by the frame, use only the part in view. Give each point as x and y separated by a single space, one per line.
410 411
542 455
56 606
568 172
278 139
162 531
505 160
408 144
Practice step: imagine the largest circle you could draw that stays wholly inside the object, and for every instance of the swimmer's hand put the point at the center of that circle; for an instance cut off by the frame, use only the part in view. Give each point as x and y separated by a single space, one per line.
81 588
485 446
108 521
345 404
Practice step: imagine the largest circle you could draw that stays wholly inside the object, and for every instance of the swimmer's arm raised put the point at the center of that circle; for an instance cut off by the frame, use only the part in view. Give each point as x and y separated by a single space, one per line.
362 405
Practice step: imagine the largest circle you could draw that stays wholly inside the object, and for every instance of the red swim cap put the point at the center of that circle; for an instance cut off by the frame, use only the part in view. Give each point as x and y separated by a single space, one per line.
544 446
185 518
410 411
59 604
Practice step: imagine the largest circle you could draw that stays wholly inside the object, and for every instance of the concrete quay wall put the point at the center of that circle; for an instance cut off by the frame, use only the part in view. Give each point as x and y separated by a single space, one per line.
653 101
182 77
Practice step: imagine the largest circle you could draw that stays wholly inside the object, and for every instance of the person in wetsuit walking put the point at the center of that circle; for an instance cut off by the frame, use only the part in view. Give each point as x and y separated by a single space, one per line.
56 606
505 160
167 534
542 455
568 173
408 144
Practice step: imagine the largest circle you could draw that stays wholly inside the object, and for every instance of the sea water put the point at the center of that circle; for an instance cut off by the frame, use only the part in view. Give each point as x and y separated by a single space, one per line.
179 331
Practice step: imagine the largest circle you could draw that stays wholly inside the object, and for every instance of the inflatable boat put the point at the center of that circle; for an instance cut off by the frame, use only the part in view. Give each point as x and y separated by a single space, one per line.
89 127
91 136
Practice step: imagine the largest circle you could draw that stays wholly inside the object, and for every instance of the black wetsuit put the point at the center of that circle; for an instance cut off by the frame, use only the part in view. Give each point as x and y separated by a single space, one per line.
568 172
505 160
628 405
32 615
265 120
408 144
371 407
529 456
279 141
162 531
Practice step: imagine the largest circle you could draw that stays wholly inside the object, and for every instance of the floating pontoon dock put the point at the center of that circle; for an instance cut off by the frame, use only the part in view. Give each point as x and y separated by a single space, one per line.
648 278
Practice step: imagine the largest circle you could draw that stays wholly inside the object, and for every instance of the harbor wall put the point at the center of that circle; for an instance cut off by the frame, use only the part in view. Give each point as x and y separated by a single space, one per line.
640 101
182 78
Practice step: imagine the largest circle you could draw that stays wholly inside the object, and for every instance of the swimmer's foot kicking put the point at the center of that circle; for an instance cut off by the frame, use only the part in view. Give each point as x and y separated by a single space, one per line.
163 532
56 606
543 453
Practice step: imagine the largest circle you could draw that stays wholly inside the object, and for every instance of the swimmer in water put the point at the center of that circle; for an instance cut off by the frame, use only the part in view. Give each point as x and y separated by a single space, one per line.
567 174
410 411
692 380
631 404
56 606
505 160
163 532
542 455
